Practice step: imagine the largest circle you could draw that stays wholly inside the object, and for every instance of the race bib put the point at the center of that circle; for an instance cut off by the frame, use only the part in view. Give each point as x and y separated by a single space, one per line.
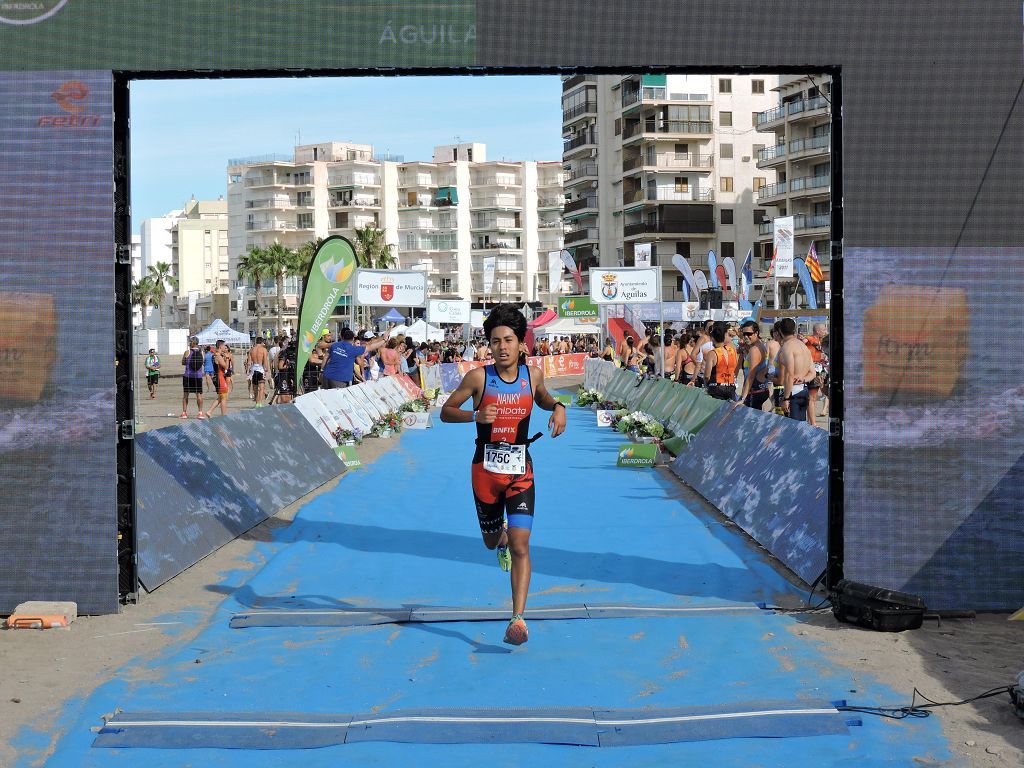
505 459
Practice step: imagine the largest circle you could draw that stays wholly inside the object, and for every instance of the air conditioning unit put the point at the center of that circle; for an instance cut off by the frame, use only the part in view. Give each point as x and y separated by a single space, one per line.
746 158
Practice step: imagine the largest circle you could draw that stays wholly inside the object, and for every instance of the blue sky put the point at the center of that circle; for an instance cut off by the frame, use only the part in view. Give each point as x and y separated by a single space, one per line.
184 131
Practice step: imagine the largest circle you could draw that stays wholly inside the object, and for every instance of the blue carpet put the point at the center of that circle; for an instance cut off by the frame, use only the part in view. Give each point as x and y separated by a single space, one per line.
402 532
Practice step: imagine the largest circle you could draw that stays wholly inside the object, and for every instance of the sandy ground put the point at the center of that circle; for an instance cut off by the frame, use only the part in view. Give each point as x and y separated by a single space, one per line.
45 671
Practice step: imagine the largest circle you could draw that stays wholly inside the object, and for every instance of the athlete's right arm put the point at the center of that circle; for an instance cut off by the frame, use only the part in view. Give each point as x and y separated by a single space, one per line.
471 386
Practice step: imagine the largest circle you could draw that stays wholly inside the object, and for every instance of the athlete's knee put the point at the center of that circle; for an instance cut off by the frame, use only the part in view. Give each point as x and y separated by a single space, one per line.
519 546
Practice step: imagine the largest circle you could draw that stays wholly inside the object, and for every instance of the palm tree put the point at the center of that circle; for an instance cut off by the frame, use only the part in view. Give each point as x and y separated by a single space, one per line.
143 294
279 260
302 258
372 252
254 267
163 281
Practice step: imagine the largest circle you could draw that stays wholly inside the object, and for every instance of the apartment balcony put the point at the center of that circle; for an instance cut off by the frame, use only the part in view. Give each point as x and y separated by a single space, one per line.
356 202
277 204
579 111
802 222
580 205
669 161
581 235
495 226
659 95
810 148
579 145
669 229
771 119
497 180
353 182
583 172
770 193
549 180
810 186
666 129
270 226
496 202
572 82
549 203
770 157
499 247
554 244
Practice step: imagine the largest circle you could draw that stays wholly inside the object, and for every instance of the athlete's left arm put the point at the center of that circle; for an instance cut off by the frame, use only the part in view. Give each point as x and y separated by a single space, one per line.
545 400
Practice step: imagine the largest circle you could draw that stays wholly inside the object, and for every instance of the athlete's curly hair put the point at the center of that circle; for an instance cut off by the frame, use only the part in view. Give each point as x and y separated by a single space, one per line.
509 316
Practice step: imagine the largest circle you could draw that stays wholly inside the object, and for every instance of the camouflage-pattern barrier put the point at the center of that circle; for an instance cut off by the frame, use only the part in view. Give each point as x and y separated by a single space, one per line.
204 483
768 474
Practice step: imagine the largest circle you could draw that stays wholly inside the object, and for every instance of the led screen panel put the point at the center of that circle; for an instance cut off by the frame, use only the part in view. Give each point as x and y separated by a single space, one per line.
57 463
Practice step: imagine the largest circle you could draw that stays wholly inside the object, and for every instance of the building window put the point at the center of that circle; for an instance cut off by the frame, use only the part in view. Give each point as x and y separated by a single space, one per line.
618 126
753 118
726 151
727 215
682 184
757 86
758 148
724 85
759 181
727 250
725 119
759 216
725 184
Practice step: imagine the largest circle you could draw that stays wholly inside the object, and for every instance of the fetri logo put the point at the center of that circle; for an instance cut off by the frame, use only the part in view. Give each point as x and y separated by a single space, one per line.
29 12
70 97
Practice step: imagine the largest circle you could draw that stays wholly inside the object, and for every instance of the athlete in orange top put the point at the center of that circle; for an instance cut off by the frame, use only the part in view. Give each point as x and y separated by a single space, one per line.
503 395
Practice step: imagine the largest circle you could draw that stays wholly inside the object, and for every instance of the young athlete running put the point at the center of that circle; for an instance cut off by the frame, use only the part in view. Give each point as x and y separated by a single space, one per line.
504 394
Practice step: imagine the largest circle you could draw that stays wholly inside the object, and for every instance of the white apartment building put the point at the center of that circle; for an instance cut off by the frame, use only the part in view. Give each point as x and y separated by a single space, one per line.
668 160
799 127
443 217
194 241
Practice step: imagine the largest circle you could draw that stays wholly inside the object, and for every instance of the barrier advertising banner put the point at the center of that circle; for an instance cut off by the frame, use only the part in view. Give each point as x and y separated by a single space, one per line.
448 311
328 278
579 308
637 455
625 285
388 288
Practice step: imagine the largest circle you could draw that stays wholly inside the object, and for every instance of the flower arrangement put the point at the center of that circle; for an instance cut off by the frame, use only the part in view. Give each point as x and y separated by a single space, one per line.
389 423
642 424
429 396
588 397
344 436
611 405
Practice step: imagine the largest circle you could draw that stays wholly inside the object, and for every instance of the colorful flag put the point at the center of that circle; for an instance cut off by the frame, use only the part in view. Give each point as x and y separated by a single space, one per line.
570 264
730 271
712 271
329 275
775 252
814 266
748 273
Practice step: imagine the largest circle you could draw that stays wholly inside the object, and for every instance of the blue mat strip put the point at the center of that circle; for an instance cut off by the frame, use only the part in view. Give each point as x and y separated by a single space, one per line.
581 726
339 617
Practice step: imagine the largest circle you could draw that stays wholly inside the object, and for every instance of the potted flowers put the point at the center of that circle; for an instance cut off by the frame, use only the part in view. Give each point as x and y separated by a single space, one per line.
588 397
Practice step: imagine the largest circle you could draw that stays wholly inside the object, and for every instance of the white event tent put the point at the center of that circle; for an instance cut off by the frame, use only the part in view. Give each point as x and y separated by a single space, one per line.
566 326
420 331
219 330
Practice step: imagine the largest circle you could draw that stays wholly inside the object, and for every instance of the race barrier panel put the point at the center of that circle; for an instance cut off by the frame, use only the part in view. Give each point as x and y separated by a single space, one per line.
450 374
208 482
769 474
